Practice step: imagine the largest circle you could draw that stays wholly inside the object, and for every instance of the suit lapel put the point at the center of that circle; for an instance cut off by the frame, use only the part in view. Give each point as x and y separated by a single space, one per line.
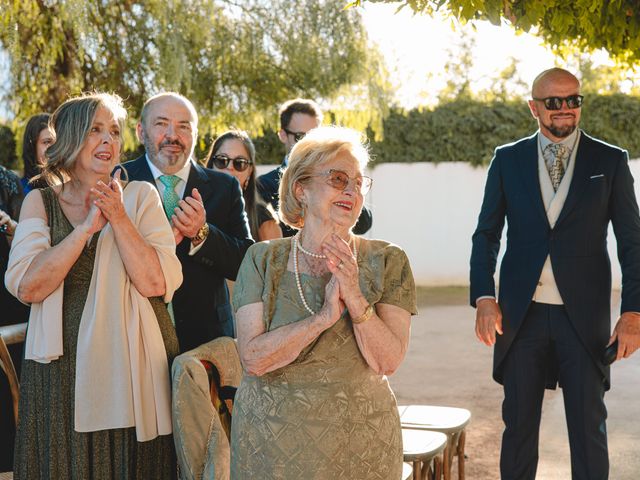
198 179
529 170
139 170
584 167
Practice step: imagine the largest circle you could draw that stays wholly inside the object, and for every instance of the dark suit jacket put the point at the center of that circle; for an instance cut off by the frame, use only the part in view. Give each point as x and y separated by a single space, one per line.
201 305
601 191
268 186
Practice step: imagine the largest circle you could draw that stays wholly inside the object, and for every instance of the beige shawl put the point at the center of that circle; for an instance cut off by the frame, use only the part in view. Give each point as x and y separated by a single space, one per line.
122 375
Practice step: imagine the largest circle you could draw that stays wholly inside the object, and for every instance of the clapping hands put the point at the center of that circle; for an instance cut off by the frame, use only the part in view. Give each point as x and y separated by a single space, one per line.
106 204
343 264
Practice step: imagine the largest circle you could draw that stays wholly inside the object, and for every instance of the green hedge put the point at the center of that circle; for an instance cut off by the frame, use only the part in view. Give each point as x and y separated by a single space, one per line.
467 130
463 130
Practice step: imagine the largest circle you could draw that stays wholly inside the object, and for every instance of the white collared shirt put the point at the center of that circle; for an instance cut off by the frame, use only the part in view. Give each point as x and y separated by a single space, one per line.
570 142
180 187
183 173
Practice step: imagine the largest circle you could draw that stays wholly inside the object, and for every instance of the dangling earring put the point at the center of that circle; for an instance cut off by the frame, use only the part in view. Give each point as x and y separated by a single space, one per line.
304 208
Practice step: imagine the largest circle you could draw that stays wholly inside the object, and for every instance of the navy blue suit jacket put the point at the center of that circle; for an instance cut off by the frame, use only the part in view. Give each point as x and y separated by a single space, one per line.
201 305
601 191
268 186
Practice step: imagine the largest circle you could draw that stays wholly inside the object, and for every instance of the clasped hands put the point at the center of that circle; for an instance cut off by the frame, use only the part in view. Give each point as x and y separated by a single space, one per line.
343 290
107 206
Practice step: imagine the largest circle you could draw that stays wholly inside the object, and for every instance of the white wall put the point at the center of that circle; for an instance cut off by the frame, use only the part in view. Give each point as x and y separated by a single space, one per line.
431 211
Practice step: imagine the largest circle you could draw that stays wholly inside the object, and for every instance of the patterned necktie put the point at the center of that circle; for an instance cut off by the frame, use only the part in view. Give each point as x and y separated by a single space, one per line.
554 154
170 201
170 198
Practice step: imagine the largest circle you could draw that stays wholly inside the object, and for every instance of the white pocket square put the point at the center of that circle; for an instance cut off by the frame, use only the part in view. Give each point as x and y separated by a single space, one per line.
596 176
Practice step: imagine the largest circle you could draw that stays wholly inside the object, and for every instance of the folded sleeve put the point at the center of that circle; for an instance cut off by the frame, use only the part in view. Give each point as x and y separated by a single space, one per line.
399 287
250 283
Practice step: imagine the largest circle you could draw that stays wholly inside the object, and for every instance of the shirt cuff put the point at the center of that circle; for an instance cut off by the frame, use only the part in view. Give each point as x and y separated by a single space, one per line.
483 297
193 250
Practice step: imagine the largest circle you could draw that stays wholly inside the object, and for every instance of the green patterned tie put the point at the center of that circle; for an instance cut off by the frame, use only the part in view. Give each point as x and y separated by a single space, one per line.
170 198
170 201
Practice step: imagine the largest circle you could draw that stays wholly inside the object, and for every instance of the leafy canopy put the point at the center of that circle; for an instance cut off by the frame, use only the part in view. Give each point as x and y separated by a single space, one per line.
613 25
237 60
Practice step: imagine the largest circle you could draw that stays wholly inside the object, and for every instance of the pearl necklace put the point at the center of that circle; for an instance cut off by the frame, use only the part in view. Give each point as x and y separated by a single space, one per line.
307 252
296 246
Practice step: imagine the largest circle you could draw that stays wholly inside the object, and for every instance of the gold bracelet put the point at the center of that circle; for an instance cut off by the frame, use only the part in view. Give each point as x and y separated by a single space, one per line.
368 313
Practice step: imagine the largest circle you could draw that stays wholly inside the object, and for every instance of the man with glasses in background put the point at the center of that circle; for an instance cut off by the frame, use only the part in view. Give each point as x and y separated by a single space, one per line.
297 117
558 190
206 211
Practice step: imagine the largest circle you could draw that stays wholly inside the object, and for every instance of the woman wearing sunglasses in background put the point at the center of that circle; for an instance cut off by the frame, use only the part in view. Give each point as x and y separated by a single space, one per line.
322 317
234 153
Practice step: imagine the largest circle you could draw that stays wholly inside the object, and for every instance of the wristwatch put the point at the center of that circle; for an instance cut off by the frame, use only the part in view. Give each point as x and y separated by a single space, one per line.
202 234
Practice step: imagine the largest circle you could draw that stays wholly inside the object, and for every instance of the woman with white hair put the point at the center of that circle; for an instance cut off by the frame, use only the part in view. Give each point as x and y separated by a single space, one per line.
322 318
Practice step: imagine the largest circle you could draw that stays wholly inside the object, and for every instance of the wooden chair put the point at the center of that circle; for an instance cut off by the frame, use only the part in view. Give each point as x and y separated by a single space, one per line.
201 381
9 335
448 420
422 449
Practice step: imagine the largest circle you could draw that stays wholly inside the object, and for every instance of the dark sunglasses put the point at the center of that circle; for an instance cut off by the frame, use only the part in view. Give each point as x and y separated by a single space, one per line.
340 181
555 103
240 164
296 135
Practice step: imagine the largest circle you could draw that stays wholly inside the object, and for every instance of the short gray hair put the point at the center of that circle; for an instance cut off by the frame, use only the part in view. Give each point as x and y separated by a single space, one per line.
318 147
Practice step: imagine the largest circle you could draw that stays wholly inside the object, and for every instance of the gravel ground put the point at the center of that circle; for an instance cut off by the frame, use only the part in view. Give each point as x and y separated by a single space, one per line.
447 365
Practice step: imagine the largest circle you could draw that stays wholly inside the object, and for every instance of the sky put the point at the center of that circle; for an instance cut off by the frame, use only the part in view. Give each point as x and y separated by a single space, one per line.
417 47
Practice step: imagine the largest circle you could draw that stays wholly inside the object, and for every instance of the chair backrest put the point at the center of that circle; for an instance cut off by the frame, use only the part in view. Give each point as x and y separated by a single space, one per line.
222 396
203 379
9 335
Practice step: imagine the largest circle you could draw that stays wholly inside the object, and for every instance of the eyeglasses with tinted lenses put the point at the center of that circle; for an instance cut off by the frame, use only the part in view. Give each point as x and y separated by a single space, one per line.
297 136
340 181
555 103
240 164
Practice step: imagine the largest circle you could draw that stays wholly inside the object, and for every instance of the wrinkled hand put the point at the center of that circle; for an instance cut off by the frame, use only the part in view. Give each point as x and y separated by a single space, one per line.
344 267
333 306
95 220
627 331
488 320
5 219
190 216
108 198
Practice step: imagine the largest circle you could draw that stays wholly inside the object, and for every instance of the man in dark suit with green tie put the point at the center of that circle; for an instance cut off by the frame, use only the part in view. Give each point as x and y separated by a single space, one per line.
206 211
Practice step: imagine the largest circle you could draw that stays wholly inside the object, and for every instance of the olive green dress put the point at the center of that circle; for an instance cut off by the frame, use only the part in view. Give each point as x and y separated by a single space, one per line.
326 415
47 446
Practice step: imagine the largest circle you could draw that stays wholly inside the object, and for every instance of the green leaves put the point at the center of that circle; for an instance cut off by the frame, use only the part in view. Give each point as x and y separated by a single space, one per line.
236 60
581 24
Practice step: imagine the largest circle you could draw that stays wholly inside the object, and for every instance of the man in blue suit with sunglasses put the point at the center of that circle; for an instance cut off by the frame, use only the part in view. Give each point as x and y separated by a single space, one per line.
558 190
